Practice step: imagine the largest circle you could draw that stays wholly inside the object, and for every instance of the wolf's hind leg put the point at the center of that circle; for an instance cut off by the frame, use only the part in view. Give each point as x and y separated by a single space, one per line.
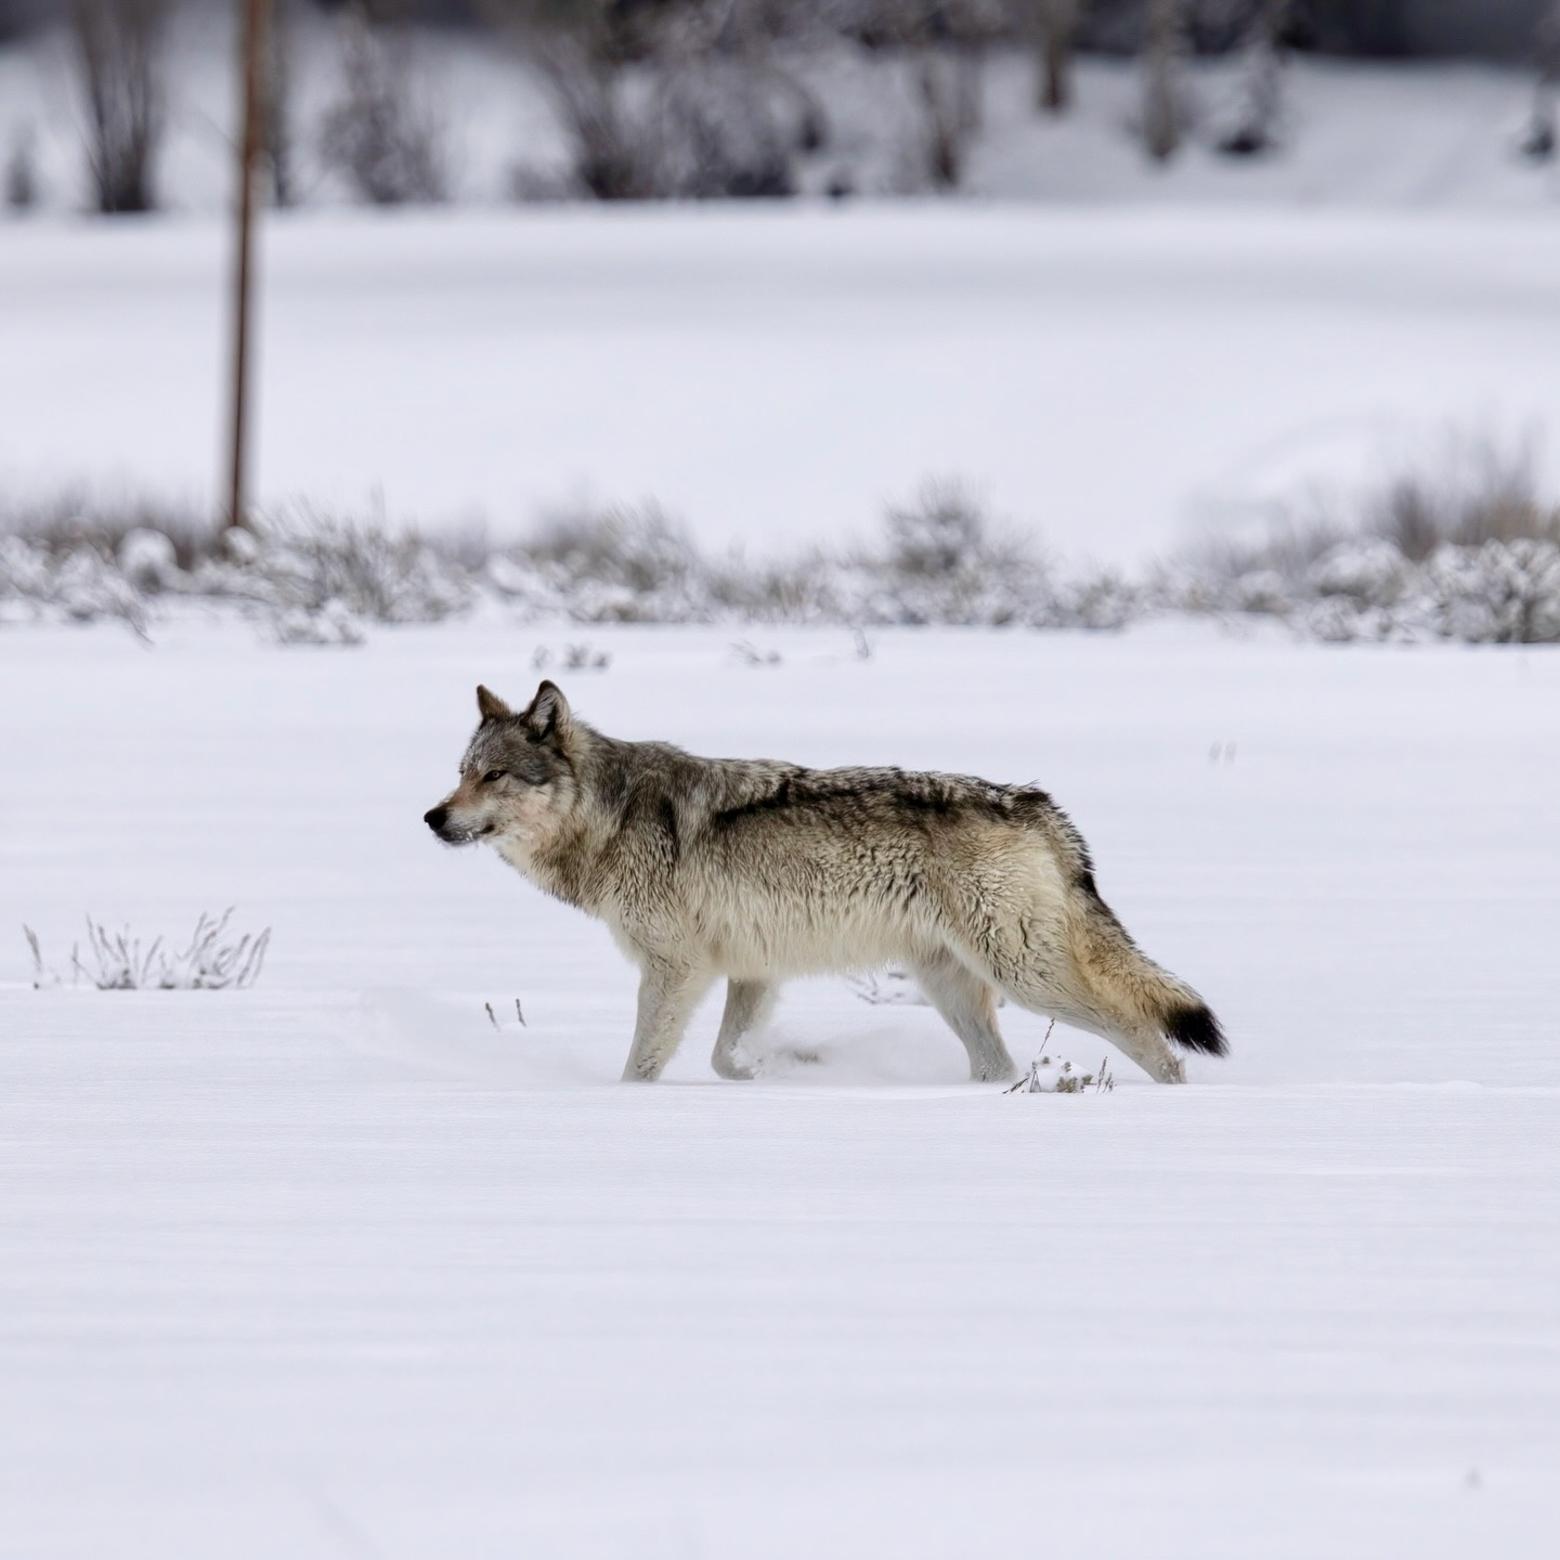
668 994
969 1008
747 1004
1029 988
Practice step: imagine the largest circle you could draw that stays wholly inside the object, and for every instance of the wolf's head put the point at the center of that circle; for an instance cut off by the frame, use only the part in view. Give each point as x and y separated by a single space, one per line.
517 780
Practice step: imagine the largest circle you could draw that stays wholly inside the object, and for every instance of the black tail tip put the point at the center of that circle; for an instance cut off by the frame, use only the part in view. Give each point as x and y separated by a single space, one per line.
1197 1029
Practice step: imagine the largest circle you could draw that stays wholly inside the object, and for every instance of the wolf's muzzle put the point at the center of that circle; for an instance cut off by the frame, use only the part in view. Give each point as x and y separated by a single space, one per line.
436 818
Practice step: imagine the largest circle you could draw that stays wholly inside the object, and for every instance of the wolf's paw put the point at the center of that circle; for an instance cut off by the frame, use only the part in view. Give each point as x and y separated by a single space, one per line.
993 1072
735 1064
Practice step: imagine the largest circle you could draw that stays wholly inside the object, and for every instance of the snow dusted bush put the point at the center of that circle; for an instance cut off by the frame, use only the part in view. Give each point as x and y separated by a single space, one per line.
315 579
148 561
23 575
311 578
1047 1075
1103 602
1500 593
1368 572
613 566
78 586
313 564
1471 554
1340 620
331 624
944 562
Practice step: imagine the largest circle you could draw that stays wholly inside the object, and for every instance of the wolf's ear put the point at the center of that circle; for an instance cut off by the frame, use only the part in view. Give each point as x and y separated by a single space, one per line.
547 715
490 706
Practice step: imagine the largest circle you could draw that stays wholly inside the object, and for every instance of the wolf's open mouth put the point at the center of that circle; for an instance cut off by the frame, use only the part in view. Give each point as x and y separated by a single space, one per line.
465 836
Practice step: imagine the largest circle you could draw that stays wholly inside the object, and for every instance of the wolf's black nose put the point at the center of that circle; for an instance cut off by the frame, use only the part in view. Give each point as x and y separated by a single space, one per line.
435 818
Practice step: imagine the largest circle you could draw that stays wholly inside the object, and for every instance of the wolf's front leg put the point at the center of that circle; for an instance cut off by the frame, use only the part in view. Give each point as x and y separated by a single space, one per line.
668 994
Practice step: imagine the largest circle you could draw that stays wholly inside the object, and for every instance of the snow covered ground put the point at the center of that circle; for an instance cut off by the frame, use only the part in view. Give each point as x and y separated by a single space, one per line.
1107 378
334 1268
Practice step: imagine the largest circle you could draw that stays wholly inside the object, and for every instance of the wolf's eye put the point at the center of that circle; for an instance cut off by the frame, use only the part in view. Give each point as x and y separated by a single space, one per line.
492 775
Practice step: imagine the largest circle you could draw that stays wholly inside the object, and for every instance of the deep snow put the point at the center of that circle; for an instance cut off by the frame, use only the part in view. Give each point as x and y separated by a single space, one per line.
333 1267
1107 379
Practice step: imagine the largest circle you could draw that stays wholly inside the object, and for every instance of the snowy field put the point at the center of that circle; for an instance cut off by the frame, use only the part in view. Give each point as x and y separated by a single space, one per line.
1107 379
333 1268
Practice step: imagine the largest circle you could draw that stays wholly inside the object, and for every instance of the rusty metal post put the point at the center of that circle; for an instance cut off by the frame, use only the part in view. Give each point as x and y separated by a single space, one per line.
254 111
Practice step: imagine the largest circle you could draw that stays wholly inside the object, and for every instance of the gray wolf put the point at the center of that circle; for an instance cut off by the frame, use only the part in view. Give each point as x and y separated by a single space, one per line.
756 870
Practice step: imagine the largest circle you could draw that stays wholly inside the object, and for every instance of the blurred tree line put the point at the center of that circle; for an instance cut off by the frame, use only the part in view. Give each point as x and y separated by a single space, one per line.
1495 29
719 99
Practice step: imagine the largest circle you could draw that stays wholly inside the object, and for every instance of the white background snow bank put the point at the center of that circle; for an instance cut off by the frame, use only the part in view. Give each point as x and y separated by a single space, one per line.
777 376
333 1267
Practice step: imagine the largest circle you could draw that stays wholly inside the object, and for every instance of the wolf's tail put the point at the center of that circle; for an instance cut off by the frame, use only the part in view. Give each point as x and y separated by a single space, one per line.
1127 983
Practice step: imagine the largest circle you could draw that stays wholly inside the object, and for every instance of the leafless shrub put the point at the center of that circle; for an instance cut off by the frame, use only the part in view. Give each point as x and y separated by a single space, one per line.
21 172
1539 138
316 578
1052 26
213 960
70 521
1480 489
1485 491
944 43
1164 108
580 657
721 136
945 561
580 53
1223 571
119 47
79 586
1466 550
306 561
682 99
939 532
620 565
750 654
1257 121
280 132
802 589
611 161
943 134
380 136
